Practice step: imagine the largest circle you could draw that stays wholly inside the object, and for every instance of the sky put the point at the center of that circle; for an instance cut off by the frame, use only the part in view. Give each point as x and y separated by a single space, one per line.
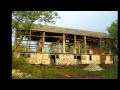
86 20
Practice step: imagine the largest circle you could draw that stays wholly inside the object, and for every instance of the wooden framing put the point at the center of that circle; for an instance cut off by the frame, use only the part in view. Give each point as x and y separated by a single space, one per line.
63 43
29 40
85 44
74 44
15 39
57 39
43 40
100 46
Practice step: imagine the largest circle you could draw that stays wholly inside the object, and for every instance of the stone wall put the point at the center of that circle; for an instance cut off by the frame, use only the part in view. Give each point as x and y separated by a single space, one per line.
108 60
37 58
66 59
85 59
94 59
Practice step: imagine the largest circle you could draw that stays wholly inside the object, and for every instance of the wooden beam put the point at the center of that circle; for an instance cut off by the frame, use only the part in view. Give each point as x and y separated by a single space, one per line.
43 40
54 36
29 40
85 44
100 46
63 43
15 39
74 44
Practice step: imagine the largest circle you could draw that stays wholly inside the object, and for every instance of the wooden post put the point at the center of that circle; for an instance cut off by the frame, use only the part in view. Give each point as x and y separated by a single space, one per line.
29 40
85 44
15 39
100 46
74 44
43 40
63 43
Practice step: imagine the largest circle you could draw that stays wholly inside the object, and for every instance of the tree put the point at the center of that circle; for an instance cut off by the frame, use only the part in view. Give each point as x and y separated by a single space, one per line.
113 32
26 19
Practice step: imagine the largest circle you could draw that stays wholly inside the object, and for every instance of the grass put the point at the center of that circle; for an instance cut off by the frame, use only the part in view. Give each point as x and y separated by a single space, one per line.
59 72
112 73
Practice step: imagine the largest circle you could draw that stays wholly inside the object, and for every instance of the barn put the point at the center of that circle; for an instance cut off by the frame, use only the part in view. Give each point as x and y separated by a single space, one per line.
64 46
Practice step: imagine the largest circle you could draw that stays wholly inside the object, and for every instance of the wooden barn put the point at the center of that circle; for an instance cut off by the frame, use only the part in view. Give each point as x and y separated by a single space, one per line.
64 46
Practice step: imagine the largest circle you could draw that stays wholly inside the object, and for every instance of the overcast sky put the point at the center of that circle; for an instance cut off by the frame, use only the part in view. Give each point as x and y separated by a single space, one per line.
86 20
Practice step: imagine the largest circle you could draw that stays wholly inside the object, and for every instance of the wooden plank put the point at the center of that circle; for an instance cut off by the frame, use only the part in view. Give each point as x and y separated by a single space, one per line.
100 46
63 43
85 44
74 44
33 35
29 40
55 36
43 40
71 39
15 39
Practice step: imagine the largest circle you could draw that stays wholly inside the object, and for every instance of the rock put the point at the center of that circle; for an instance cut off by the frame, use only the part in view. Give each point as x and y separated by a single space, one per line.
93 67
68 76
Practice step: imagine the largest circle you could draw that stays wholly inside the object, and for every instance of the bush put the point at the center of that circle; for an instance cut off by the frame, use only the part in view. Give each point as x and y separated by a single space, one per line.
25 67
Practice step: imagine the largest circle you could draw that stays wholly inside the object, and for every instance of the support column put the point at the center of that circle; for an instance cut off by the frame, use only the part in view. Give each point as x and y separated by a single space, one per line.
85 44
63 43
29 40
15 39
100 46
43 40
74 44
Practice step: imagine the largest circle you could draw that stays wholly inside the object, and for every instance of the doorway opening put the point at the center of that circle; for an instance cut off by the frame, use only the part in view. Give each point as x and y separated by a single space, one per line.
52 59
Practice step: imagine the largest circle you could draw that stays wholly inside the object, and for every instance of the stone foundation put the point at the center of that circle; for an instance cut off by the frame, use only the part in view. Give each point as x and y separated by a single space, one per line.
65 59
94 59
37 58
108 60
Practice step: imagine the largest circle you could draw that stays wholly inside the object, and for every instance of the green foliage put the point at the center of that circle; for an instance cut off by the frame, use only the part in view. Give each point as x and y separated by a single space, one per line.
67 47
50 48
26 19
113 31
21 63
